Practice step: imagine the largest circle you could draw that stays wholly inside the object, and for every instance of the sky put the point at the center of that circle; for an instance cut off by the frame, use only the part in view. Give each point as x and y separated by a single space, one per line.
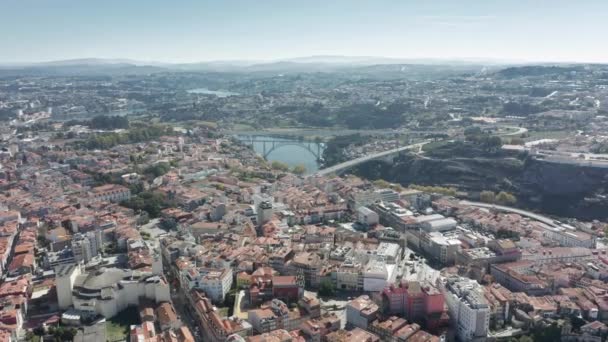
204 30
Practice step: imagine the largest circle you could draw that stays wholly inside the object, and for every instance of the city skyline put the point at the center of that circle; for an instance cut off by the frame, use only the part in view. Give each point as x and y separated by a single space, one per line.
192 31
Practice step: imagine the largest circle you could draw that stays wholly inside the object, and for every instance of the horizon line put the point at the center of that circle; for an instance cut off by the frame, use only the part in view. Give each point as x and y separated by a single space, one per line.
142 62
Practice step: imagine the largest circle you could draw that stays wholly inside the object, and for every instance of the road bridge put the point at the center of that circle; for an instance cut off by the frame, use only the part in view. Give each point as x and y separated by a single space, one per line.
348 164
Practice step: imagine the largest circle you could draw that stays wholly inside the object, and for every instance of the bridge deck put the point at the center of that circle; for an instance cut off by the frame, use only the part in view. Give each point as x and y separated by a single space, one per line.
351 163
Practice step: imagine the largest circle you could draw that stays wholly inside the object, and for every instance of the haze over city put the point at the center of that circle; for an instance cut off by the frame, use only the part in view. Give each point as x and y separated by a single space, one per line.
194 31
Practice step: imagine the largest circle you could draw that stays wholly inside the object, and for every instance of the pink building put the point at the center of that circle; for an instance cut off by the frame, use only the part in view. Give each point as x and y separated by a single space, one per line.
416 302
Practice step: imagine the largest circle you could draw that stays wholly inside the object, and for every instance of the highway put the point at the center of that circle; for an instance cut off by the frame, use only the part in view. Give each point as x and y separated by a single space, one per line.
544 219
351 163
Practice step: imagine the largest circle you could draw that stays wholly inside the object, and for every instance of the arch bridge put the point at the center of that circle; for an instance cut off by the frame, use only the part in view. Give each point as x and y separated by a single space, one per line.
269 146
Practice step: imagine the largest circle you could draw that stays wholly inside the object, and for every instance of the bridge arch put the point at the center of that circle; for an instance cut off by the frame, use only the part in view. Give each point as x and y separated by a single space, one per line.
313 148
268 146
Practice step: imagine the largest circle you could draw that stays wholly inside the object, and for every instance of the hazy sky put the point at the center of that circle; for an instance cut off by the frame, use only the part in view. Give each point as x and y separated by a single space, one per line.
203 30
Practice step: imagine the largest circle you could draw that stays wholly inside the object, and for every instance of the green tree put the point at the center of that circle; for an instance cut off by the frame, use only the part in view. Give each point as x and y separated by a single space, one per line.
168 224
326 288
381 183
299 169
157 169
505 198
279 166
38 331
434 189
148 201
487 196
473 133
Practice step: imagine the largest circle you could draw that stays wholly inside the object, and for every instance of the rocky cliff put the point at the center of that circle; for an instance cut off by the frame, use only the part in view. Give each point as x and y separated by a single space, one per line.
557 188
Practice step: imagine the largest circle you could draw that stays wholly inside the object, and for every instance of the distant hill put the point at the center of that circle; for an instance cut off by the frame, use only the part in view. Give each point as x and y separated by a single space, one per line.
391 67
67 69
537 70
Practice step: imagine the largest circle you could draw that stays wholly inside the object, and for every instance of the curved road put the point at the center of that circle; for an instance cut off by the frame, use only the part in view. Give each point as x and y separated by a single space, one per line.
544 219
351 163
518 131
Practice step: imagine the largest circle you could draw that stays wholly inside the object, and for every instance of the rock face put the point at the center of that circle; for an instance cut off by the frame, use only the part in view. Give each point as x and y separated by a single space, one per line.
567 189
561 179
558 188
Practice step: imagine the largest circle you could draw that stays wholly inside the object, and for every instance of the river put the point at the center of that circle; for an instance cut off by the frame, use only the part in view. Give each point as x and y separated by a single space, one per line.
289 151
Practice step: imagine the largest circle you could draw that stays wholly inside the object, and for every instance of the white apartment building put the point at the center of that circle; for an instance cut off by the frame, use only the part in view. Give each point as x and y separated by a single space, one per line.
349 276
361 312
214 281
389 252
467 307
107 291
85 246
65 276
367 216
442 247
363 198
376 276
569 237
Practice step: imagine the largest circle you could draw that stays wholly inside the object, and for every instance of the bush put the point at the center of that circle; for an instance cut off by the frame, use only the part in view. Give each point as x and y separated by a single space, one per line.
505 198
277 165
434 189
148 201
158 169
487 197
299 169
326 288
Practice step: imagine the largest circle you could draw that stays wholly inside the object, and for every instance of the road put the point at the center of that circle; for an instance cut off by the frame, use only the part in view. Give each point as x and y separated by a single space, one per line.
518 131
351 163
185 315
537 217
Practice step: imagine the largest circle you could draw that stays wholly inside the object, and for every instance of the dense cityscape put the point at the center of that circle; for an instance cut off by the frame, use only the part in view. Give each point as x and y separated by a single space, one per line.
303 171
133 209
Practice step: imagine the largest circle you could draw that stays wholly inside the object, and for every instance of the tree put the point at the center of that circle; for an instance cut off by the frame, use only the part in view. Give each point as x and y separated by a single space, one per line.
472 132
381 183
158 169
434 189
68 334
38 331
505 198
299 169
109 122
279 166
492 142
487 196
168 224
326 288
149 201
